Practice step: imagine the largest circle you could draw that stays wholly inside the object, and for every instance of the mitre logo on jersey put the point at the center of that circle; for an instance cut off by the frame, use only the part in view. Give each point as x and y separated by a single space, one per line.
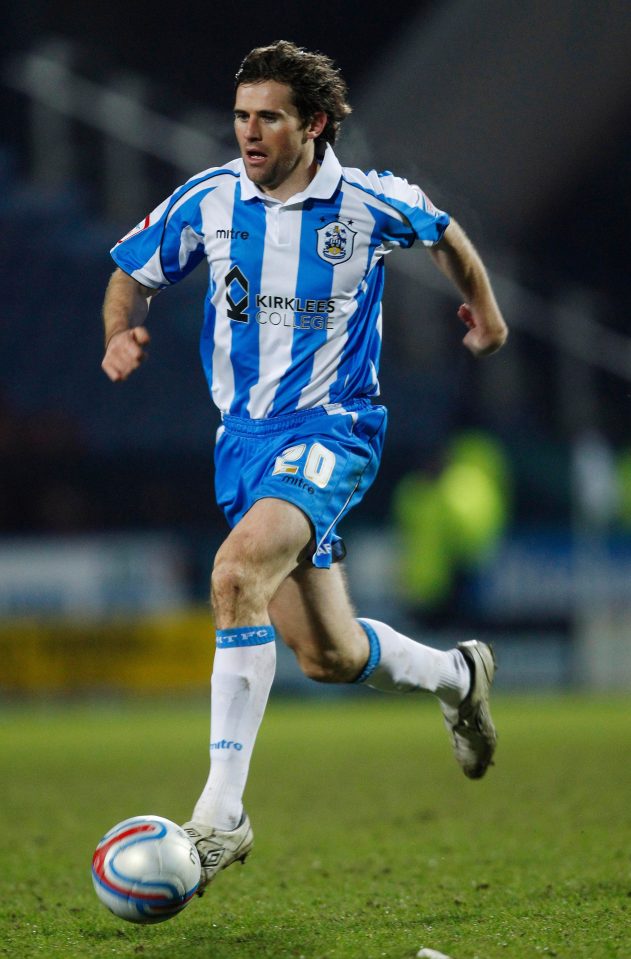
335 242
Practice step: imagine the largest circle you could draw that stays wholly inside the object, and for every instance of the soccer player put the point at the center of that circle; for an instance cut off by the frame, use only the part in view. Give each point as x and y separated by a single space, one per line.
296 247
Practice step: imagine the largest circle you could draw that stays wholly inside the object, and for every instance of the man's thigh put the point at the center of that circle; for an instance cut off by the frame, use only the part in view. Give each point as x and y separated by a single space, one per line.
263 549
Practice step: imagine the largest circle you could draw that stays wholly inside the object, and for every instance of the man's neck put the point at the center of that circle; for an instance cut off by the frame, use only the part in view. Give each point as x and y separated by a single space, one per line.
297 181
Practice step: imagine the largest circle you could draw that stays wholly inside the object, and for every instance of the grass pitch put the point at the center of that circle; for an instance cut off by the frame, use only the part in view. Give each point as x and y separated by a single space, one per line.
369 841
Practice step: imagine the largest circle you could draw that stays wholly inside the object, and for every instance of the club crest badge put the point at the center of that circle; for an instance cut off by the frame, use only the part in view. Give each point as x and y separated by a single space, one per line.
335 242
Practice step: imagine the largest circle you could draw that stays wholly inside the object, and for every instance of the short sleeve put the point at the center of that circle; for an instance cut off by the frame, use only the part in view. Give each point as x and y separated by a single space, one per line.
164 247
421 219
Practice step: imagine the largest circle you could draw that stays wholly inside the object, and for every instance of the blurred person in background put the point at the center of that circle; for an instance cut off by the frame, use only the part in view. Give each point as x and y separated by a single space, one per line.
296 248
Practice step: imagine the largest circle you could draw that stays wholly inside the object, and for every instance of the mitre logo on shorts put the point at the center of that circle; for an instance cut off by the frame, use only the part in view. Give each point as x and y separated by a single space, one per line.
335 242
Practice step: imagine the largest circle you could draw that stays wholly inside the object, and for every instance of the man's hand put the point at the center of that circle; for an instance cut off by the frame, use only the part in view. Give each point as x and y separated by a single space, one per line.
483 337
124 315
125 351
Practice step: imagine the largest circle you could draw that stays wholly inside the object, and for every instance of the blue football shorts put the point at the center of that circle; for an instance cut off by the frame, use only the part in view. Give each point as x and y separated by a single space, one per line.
323 460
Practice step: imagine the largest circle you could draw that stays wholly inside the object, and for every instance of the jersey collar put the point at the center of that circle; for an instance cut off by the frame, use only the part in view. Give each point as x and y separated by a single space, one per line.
322 187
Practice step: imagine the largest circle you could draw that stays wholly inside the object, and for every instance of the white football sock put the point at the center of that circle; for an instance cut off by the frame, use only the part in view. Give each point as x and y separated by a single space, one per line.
243 671
400 664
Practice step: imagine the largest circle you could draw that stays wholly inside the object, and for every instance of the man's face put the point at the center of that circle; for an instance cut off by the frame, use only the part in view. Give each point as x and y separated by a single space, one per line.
272 137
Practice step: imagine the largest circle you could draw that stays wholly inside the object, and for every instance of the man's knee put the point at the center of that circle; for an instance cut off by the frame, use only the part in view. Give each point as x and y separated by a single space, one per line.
234 582
228 576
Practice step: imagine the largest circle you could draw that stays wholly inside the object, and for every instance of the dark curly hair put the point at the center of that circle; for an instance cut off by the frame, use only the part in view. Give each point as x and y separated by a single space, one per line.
316 83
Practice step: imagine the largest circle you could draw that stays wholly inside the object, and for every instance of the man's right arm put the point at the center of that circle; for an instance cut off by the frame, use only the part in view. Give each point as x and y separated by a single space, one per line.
125 310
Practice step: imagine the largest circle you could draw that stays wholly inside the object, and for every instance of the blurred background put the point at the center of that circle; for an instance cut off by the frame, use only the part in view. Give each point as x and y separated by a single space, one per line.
503 506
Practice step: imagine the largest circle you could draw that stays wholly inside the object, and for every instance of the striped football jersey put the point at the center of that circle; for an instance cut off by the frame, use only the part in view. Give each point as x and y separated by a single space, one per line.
292 316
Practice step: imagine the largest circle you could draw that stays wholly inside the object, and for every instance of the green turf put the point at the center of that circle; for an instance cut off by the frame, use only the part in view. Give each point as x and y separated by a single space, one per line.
369 841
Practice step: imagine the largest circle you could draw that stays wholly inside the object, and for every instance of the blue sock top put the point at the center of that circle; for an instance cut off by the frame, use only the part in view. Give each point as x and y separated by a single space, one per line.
374 657
245 636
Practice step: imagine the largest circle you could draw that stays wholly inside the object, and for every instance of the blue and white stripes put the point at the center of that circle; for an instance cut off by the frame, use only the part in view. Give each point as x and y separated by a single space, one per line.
292 317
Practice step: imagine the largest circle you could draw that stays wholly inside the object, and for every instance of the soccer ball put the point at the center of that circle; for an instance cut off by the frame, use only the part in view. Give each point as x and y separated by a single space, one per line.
145 869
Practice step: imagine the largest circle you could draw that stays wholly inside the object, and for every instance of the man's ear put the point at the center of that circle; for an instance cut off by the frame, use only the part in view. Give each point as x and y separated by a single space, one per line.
316 125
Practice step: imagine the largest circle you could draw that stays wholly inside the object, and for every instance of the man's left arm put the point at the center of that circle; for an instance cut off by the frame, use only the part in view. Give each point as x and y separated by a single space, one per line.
457 258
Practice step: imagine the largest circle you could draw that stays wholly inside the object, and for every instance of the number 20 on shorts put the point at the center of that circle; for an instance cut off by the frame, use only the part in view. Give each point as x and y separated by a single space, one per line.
318 466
